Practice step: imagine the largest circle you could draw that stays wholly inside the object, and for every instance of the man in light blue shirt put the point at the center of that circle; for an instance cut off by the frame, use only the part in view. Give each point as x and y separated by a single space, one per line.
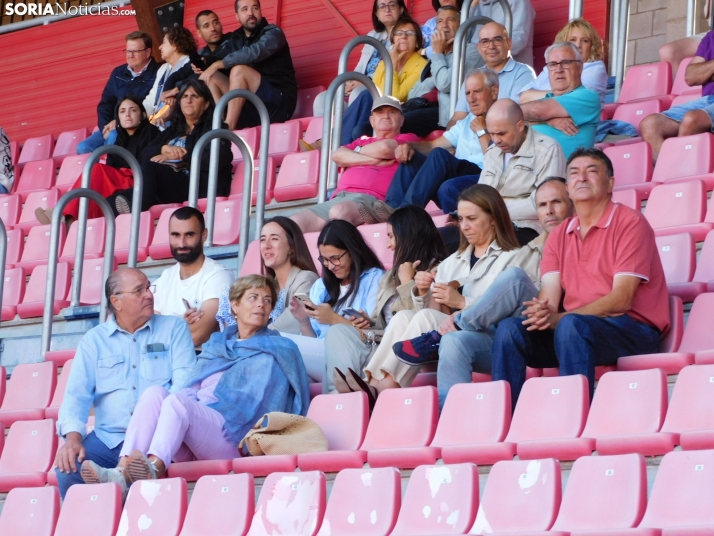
570 114
428 171
115 362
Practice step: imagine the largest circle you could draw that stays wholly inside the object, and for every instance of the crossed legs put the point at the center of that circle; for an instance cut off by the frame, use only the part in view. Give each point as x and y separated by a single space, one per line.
241 77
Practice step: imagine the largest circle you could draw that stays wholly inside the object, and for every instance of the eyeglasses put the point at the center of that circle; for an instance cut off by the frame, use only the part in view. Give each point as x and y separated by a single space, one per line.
139 291
565 64
133 52
335 260
498 41
385 7
402 33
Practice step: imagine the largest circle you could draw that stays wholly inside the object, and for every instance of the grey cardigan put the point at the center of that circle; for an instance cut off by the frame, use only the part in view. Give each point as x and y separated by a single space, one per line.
298 281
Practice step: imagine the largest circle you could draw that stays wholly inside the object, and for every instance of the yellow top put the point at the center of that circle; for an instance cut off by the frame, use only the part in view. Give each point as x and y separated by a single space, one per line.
403 80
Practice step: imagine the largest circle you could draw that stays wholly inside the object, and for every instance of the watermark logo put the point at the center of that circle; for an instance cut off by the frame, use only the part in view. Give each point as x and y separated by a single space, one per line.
49 9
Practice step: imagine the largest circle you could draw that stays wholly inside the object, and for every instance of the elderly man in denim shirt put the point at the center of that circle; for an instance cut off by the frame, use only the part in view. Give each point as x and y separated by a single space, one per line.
115 362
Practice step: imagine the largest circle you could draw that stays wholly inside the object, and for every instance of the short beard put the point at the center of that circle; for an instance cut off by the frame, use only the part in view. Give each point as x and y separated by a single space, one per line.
187 258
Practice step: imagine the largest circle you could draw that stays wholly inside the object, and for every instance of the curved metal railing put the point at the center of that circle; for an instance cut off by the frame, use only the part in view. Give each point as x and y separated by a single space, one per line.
507 14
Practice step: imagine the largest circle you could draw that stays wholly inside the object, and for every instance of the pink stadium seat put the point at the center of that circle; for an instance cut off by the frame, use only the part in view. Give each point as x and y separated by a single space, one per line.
646 81
635 112
684 99
314 130
159 248
33 303
251 136
93 242
237 184
39 148
3 383
15 245
284 139
91 509
30 511
44 199
157 210
629 197
226 227
67 144
193 470
10 208
440 499
363 501
251 262
403 419
704 272
220 505
434 135
290 504
121 243
37 246
679 207
14 152
680 86
344 419
298 177
29 392
376 237
51 474
13 291
70 171
603 493
678 254
36 176
154 508
305 100
52 410
311 241
671 341
474 414
520 496
633 166
28 454
685 156
92 288
304 122
697 343
60 357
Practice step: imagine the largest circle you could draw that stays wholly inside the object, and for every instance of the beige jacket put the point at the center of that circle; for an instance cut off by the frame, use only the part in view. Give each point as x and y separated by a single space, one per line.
298 281
529 257
385 293
539 157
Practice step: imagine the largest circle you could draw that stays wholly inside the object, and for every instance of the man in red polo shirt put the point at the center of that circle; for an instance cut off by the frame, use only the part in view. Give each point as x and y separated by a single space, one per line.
604 266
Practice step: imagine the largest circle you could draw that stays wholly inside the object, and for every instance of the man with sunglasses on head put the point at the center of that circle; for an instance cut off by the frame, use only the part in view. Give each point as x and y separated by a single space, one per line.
571 112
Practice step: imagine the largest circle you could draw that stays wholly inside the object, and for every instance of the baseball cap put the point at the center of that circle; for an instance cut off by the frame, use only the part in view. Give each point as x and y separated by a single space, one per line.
386 100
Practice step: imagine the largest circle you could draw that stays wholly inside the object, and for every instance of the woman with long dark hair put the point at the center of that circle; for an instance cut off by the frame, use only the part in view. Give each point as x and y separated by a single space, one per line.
166 162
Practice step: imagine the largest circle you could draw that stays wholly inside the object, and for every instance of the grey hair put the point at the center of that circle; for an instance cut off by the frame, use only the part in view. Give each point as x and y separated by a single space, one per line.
111 286
490 78
564 44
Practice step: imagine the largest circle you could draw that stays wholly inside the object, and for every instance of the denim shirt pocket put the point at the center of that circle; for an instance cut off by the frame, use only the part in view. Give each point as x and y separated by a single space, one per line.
110 373
156 367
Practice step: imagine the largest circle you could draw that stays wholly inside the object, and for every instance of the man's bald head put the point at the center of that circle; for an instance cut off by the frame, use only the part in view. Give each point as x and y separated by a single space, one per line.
494 45
505 124
493 29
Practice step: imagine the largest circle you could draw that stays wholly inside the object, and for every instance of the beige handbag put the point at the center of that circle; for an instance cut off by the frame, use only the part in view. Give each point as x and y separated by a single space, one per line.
283 433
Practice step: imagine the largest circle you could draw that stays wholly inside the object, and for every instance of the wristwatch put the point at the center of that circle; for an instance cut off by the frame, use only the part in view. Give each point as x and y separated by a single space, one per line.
358 149
481 132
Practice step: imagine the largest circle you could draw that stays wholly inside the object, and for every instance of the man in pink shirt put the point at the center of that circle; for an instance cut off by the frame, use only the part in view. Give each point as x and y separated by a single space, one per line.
369 166
604 266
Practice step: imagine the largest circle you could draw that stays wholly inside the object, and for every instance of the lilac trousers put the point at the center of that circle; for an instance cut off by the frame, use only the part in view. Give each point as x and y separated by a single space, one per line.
176 428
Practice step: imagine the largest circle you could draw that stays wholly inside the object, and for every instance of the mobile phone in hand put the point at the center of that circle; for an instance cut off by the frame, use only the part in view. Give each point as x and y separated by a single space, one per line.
357 314
186 304
304 299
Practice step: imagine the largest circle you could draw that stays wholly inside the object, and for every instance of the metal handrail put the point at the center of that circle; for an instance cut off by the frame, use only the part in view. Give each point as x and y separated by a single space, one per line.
621 12
3 254
458 68
109 235
575 9
691 17
84 209
507 15
326 166
248 166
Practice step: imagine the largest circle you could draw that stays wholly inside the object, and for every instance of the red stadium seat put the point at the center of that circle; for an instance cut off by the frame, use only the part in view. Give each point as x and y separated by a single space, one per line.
311 241
39 148
154 508
671 341
305 100
70 171
237 184
678 254
10 208
298 177
680 86
284 139
37 246
93 241
704 272
653 80
31 511
3 383
60 357
15 245
52 410
635 112
159 248
121 243
684 99
157 210
376 237
440 499
92 288
251 136
685 156
363 501
689 414
91 509
36 176
629 197
221 504
633 166
28 454
14 152
67 144
314 130
44 199
33 303
251 262
226 227
679 207
29 392
290 504
13 291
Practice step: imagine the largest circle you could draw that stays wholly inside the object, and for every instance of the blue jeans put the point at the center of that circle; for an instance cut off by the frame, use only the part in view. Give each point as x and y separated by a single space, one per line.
419 181
469 350
356 115
97 452
706 104
95 141
577 345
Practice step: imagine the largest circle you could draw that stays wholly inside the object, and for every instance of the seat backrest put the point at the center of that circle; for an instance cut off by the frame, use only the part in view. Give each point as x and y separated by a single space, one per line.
680 85
671 341
93 242
58 395
123 227
628 402
31 511
440 499
14 152
678 254
251 136
161 232
550 408
520 496
363 501
251 262
474 413
67 141
635 112
15 246
13 286
698 334
70 170
220 501
36 175
91 509
685 156
37 246
30 447
705 265
39 148
644 81
684 99
683 491
93 281
31 386
632 163
342 417
628 197
237 182
10 208
226 225
604 492
284 137
403 418
311 241
314 130
290 503
154 508
35 290
305 100
679 203
299 168
42 198
690 408
376 237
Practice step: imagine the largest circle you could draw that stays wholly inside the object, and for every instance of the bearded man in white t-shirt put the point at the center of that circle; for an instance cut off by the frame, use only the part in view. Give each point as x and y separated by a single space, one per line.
191 288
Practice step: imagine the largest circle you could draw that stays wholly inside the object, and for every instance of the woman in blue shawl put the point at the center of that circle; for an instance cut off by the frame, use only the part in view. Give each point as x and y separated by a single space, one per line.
242 373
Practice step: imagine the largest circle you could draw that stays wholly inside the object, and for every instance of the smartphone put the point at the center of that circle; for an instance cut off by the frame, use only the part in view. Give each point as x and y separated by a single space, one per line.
186 304
304 299
357 314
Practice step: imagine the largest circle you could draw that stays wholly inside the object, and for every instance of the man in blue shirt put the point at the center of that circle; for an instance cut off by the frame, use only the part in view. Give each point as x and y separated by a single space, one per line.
428 171
115 362
570 114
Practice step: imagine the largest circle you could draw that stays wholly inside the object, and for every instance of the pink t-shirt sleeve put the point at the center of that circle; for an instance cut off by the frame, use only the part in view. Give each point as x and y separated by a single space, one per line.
407 138
634 248
550 263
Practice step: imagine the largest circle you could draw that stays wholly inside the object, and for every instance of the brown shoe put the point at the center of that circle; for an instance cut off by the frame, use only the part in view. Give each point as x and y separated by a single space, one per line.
43 215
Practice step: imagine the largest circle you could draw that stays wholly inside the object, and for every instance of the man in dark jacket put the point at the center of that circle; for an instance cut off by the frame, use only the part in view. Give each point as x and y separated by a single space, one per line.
134 78
258 58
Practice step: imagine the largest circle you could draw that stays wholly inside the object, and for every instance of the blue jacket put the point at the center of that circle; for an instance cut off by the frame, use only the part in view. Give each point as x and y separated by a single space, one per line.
121 83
